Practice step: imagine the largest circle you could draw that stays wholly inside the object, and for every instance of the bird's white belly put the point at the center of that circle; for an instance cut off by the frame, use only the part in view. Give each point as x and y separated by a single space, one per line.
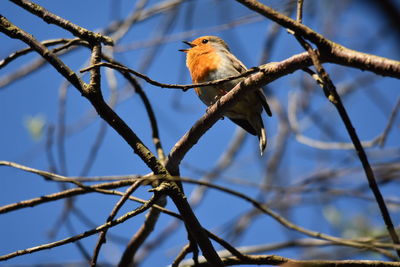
210 94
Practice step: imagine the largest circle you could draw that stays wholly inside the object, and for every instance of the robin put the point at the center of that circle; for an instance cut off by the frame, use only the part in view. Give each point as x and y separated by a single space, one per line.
208 58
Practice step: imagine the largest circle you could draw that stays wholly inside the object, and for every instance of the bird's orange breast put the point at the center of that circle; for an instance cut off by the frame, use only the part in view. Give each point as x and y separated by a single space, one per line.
201 62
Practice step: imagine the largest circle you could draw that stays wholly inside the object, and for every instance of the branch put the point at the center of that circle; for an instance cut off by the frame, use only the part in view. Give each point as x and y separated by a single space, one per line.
288 224
287 262
79 191
123 69
195 230
140 237
102 237
66 44
324 145
185 250
36 63
45 174
63 23
107 225
349 60
13 31
150 112
330 51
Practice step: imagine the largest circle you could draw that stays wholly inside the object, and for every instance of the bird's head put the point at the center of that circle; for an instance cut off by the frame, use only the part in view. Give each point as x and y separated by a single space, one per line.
205 43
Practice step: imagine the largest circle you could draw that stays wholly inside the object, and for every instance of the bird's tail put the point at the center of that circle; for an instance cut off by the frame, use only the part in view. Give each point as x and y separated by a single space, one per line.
262 137
258 125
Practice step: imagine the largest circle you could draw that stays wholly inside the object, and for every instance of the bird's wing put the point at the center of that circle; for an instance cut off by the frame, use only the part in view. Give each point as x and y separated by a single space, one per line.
263 99
240 68
237 64
245 124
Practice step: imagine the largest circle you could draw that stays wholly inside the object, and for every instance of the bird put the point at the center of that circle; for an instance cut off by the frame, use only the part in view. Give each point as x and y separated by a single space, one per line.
209 58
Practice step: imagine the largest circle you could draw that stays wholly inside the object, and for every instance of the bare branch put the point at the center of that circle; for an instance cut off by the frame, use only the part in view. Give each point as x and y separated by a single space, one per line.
287 262
63 23
329 50
107 225
140 236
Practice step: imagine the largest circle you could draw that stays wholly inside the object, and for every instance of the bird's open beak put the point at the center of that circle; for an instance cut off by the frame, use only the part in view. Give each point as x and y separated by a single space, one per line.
189 44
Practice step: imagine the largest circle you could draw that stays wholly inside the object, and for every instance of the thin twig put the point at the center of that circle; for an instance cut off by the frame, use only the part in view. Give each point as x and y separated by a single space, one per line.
14 32
141 235
149 109
100 188
37 63
185 250
67 43
166 85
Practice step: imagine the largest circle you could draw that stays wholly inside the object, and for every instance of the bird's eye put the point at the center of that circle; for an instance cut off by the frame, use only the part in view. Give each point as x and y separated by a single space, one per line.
204 41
